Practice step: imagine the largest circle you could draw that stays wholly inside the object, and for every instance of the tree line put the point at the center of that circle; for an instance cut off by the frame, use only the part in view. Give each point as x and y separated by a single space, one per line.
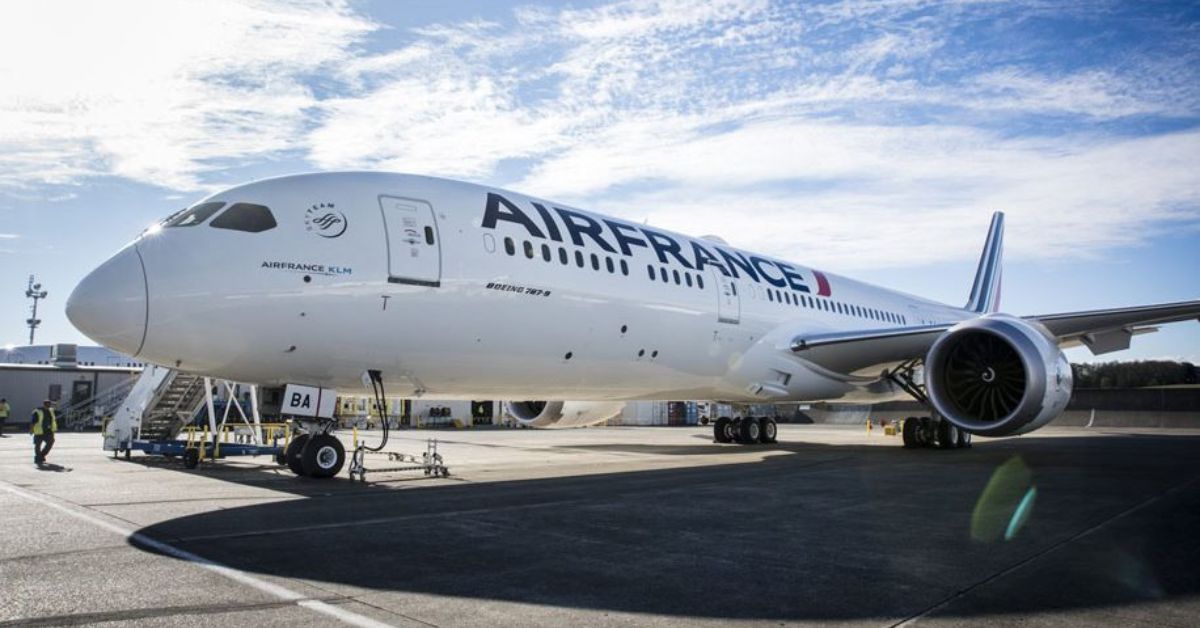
1135 374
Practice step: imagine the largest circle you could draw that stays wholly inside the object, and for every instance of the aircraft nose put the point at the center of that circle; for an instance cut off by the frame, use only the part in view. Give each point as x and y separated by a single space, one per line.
110 304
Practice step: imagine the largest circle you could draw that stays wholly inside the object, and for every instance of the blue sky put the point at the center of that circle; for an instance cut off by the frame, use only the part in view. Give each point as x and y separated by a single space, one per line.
867 138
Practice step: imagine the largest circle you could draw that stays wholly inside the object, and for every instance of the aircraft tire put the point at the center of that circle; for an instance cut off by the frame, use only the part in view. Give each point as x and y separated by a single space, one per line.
909 432
947 435
292 454
926 436
323 457
767 430
964 439
735 430
721 431
191 458
749 431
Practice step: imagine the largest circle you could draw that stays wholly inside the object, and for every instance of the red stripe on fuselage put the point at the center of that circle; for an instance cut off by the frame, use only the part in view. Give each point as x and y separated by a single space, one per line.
822 284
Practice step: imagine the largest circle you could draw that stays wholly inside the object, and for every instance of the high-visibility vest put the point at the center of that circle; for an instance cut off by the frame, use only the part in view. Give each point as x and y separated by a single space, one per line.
37 425
4 410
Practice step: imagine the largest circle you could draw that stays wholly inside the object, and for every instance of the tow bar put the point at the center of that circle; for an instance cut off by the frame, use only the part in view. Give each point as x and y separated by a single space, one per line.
430 462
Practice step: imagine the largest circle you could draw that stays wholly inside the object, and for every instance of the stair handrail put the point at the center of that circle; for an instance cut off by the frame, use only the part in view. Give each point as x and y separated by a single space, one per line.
74 413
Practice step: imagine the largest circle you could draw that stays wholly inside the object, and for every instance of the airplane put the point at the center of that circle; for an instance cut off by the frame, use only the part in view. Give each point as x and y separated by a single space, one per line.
451 290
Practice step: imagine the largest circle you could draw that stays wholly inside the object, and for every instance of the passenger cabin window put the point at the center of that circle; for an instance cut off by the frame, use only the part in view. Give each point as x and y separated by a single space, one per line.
194 216
245 217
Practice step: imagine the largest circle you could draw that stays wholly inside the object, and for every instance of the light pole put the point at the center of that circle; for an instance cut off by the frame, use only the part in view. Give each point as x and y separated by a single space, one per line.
35 292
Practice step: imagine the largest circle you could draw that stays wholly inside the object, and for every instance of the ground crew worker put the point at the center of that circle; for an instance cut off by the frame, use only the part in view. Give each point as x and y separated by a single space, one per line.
4 411
43 425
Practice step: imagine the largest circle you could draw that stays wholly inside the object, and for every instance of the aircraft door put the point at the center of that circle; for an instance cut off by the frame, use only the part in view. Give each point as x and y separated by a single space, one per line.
81 391
413 243
729 304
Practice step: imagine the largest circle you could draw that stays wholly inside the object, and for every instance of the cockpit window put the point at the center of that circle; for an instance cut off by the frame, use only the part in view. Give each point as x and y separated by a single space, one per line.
194 216
245 217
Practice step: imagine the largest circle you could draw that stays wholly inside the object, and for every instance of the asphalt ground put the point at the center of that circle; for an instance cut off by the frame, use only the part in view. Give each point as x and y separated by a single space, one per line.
617 527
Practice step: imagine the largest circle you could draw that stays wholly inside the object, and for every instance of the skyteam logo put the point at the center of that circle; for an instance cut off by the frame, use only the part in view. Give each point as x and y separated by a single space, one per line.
324 220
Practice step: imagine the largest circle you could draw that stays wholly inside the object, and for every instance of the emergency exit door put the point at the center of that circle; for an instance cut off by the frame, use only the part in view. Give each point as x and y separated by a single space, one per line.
729 304
414 249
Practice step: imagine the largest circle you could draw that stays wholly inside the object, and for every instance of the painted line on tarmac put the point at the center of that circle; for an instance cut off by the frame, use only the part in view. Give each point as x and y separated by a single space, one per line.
283 593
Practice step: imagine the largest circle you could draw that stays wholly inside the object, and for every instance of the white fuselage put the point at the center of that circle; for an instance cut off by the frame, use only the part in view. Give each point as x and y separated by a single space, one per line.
413 276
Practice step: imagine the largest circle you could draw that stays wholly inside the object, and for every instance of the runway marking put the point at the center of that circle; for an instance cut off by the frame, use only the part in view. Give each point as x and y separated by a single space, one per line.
81 619
283 593
1036 555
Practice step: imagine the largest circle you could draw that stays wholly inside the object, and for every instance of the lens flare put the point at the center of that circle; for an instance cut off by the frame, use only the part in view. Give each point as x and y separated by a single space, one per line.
1006 503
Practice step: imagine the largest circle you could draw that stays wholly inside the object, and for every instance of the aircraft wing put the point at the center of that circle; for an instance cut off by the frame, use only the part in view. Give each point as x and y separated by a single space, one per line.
1102 331
852 352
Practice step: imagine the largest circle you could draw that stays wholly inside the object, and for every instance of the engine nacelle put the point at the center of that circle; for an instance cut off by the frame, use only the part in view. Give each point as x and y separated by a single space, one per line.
998 375
560 414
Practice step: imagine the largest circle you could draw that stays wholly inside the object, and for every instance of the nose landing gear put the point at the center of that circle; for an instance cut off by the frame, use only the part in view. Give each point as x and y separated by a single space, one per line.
317 454
323 456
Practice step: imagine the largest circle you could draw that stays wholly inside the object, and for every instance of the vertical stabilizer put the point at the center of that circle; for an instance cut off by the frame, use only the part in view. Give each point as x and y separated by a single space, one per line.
985 293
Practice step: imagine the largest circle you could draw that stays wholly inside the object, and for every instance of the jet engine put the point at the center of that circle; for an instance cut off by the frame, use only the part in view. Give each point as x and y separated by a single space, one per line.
559 414
997 375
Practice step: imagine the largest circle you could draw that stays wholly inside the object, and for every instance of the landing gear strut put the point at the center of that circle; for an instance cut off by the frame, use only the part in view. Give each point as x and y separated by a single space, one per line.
745 430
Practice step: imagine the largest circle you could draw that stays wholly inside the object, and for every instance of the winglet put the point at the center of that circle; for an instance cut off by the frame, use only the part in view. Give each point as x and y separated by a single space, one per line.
985 293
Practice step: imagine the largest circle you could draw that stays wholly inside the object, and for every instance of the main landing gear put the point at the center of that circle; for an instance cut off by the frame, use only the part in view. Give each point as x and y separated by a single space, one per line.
316 454
745 430
924 431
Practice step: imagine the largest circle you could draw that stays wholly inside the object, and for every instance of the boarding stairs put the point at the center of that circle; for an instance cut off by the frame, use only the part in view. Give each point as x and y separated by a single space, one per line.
174 406
158 406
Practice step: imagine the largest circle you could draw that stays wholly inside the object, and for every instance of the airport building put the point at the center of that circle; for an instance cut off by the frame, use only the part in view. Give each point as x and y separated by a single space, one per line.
83 382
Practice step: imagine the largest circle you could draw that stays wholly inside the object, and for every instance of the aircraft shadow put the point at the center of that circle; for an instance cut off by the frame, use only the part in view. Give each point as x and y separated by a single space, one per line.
830 532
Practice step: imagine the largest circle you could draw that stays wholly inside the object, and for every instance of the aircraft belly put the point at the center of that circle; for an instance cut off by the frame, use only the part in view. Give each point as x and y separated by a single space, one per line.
568 348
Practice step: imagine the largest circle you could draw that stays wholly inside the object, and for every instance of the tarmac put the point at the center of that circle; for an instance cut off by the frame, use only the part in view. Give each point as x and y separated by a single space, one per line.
637 526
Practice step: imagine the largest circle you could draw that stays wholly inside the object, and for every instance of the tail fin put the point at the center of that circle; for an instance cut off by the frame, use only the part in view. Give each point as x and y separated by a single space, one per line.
985 293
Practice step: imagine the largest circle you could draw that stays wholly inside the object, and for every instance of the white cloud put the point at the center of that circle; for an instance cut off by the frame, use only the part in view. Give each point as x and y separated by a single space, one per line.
801 129
159 91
